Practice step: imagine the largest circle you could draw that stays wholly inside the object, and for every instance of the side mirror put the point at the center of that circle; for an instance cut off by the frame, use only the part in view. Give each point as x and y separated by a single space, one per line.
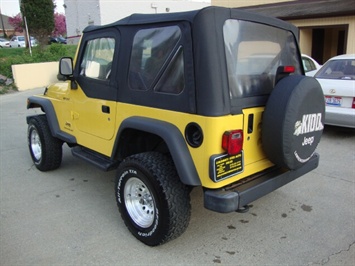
66 66
66 71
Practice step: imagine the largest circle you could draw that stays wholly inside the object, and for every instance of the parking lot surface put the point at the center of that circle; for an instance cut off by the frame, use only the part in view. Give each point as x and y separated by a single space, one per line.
69 216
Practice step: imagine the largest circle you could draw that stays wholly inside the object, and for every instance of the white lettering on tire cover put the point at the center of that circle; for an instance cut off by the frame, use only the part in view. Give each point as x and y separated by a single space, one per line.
301 160
310 123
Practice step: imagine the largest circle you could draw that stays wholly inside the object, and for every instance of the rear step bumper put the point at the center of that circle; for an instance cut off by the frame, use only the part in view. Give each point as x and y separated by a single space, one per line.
235 197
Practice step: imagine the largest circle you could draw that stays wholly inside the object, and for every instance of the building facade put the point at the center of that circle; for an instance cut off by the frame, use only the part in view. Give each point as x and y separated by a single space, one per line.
6 30
80 14
243 3
327 27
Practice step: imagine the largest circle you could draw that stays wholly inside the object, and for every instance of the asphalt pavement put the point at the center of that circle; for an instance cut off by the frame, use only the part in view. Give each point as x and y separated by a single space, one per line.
69 216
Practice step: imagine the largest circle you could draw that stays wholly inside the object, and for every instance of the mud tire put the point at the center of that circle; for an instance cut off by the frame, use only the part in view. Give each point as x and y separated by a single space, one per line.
45 150
154 204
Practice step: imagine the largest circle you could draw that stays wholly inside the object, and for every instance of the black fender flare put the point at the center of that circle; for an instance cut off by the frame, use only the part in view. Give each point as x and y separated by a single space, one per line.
174 140
47 106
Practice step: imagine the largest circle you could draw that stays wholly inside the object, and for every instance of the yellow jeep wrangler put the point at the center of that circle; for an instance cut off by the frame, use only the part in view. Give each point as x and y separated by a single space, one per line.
215 98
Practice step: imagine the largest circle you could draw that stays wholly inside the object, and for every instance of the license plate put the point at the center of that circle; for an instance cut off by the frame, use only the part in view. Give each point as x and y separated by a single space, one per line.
225 166
333 100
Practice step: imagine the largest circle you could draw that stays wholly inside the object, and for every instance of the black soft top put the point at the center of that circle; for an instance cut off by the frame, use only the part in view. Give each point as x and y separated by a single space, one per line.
208 90
208 13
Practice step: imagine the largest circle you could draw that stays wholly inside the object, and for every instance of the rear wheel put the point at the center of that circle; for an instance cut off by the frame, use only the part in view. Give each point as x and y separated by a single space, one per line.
153 203
45 150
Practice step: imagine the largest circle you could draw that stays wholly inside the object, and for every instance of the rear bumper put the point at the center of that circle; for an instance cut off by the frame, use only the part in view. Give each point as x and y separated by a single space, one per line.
236 196
337 116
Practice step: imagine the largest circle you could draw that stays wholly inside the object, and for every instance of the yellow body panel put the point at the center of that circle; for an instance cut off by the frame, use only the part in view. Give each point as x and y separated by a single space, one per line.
83 118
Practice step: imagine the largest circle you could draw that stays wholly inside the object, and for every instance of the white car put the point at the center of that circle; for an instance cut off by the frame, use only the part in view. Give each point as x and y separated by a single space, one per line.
4 43
19 41
337 78
310 65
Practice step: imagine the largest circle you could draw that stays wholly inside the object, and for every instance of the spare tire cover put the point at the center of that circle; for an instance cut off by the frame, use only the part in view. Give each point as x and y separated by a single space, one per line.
293 121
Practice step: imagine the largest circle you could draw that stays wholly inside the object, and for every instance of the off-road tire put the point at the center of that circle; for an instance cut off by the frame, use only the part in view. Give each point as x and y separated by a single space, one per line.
45 150
154 204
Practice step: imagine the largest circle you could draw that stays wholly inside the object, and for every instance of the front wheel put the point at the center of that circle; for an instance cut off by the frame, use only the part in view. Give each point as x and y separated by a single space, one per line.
153 203
45 150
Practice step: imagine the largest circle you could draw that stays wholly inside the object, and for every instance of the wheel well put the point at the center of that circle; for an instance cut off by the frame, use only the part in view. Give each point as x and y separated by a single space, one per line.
140 134
133 141
35 105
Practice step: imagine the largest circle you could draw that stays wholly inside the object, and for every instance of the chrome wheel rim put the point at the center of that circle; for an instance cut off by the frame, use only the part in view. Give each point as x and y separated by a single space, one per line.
36 145
139 202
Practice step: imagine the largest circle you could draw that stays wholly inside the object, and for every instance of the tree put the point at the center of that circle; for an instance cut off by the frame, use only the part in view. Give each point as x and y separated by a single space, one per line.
16 22
40 18
60 25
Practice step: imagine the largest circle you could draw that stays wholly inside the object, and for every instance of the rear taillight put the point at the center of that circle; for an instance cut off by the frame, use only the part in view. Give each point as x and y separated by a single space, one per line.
353 105
232 141
288 69
283 71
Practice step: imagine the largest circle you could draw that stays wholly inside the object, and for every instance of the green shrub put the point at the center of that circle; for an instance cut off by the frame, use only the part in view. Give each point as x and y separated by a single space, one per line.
12 56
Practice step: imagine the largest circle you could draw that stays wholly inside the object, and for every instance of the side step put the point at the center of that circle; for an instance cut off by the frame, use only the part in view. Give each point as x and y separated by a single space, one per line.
102 162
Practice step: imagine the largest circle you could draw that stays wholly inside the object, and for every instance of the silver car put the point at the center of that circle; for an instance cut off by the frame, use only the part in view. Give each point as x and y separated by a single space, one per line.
4 43
337 78
19 41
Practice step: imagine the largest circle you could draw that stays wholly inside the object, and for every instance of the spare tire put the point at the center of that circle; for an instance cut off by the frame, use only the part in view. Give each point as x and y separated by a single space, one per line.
293 121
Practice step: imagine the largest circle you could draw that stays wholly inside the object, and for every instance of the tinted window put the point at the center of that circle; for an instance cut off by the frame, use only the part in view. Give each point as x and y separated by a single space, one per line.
253 53
172 80
97 60
338 69
150 53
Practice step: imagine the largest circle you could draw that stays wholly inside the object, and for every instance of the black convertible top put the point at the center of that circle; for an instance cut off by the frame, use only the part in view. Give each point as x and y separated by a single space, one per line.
207 86
208 14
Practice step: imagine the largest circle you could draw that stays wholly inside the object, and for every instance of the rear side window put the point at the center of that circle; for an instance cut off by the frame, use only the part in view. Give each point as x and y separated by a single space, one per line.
155 56
253 53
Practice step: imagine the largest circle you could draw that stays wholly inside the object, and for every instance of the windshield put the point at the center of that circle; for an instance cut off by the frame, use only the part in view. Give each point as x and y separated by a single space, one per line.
254 52
338 69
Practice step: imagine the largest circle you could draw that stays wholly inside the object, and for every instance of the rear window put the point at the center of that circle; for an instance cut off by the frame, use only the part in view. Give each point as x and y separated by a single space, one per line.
338 69
254 52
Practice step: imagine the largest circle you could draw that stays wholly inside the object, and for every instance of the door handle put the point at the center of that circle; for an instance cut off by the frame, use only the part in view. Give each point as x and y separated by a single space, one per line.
105 109
250 123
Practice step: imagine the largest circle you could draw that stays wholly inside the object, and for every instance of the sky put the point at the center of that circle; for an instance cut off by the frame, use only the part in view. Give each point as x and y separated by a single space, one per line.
12 7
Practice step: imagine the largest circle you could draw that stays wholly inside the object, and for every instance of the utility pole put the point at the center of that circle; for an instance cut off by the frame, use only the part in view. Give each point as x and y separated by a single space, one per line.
3 26
27 36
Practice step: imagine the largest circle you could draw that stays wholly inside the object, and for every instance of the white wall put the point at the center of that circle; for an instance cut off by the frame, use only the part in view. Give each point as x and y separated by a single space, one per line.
240 3
81 13
30 76
117 9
